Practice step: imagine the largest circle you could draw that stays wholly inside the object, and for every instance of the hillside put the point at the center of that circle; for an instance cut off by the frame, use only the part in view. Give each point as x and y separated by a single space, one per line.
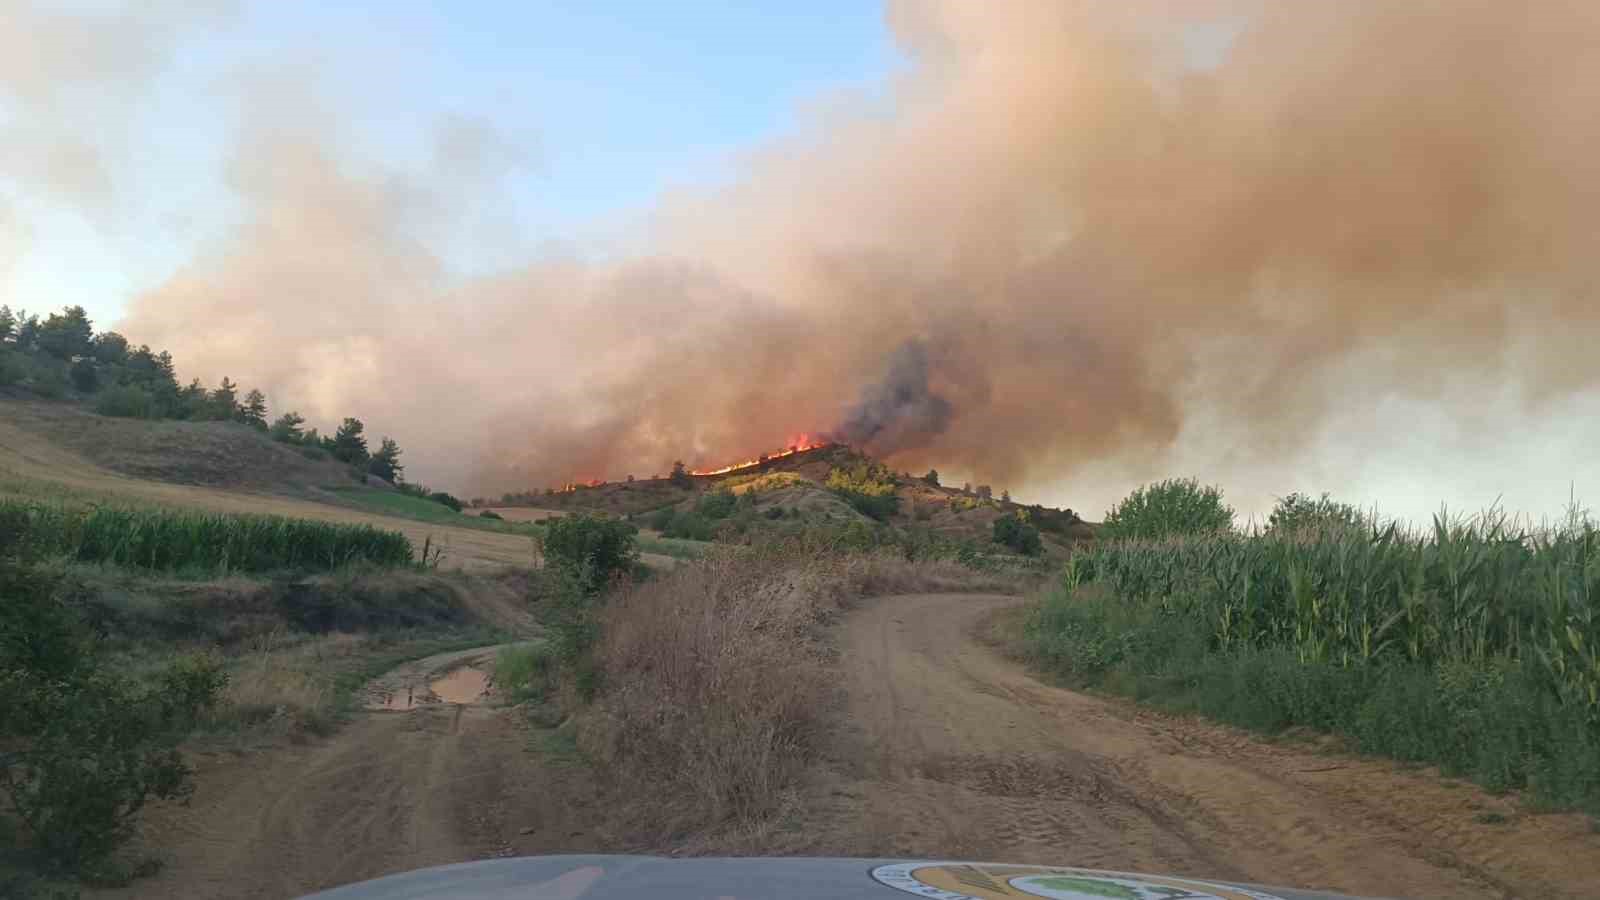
61 451
795 488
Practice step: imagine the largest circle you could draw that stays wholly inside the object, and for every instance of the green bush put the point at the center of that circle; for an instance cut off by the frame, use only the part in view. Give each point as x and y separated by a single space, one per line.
525 672
594 547
1018 535
82 748
1177 506
718 504
661 519
446 499
491 514
12 369
1300 512
868 487
124 401
690 526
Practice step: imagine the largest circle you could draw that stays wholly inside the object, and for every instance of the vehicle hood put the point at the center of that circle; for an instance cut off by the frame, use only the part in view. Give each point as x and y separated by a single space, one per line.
604 877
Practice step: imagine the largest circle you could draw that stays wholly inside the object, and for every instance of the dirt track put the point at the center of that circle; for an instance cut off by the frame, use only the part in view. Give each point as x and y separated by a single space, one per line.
949 750
954 751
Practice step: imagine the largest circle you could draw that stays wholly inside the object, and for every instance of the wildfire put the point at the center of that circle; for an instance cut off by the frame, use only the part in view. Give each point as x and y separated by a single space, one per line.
801 445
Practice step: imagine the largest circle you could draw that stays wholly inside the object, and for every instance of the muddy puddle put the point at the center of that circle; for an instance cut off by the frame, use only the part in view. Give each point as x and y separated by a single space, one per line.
462 685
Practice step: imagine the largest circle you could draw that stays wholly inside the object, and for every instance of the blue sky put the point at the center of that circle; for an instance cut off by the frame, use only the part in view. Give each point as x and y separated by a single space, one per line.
608 102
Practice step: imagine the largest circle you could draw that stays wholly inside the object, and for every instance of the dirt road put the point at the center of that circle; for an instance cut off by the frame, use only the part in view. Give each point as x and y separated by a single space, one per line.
954 751
947 750
431 784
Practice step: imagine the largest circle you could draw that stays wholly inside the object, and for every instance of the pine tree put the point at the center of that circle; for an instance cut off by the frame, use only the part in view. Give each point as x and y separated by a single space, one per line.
386 462
254 410
287 428
348 443
8 323
225 401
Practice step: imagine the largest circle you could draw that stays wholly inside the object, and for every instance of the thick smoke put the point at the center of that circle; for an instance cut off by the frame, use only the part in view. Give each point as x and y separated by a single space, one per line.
1068 231
901 411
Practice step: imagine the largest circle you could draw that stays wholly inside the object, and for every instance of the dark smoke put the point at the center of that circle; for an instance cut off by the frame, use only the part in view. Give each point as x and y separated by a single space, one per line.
899 412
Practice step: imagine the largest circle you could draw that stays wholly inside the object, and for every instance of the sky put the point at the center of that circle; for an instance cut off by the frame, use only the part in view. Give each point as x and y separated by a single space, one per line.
1278 246
603 104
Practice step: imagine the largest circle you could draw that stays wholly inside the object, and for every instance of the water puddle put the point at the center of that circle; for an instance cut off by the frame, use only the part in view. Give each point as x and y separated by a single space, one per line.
464 685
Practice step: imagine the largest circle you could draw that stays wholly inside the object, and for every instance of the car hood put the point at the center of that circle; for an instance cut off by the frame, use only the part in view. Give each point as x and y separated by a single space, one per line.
603 877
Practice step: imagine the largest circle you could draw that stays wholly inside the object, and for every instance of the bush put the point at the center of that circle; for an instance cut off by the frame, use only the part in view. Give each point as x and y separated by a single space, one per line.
491 514
1018 535
447 500
661 519
124 401
690 526
868 487
12 369
85 747
1301 513
1177 506
718 504
592 547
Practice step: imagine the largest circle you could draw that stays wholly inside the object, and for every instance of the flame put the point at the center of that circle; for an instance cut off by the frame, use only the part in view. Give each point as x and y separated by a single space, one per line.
800 445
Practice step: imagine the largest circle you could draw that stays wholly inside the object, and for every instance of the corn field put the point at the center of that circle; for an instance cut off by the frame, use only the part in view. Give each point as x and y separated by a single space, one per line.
1478 591
188 541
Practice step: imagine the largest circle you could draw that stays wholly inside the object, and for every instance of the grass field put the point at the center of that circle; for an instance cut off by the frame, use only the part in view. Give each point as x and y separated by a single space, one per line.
33 467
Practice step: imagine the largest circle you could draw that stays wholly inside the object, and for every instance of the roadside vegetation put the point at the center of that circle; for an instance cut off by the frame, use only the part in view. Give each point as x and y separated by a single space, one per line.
1473 645
127 634
701 692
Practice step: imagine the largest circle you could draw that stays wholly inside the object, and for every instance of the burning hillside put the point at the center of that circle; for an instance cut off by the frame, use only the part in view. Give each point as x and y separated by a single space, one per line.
803 444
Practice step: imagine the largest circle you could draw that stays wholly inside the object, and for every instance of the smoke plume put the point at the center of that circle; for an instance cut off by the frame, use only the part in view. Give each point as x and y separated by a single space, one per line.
1064 232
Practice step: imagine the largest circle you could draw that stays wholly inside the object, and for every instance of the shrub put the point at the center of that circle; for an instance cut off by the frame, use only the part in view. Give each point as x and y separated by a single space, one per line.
593 547
525 672
12 370
447 500
1177 506
85 747
491 514
690 526
1018 535
868 487
661 519
1300 513
717 504
124 401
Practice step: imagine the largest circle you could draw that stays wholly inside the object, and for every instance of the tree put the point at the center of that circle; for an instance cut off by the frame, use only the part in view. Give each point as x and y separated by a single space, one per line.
966 487
985 492
84 376
194 401
110 348
27 331
932 477
286 428
1005 496
8 323
349 446
66 334
1175 507
590 546
386 462
225 401
680 475
254 410
1298 513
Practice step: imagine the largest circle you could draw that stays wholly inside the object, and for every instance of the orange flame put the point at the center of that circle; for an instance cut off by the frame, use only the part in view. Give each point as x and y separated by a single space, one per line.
799 445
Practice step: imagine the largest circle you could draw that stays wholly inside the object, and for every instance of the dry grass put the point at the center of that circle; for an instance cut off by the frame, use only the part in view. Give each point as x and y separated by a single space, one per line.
286 689
716 687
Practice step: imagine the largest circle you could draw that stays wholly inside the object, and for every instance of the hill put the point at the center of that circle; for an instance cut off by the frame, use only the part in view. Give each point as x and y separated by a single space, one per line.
58 450
811 487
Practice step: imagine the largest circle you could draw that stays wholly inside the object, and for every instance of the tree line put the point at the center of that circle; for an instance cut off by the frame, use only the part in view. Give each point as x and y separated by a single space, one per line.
61 356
